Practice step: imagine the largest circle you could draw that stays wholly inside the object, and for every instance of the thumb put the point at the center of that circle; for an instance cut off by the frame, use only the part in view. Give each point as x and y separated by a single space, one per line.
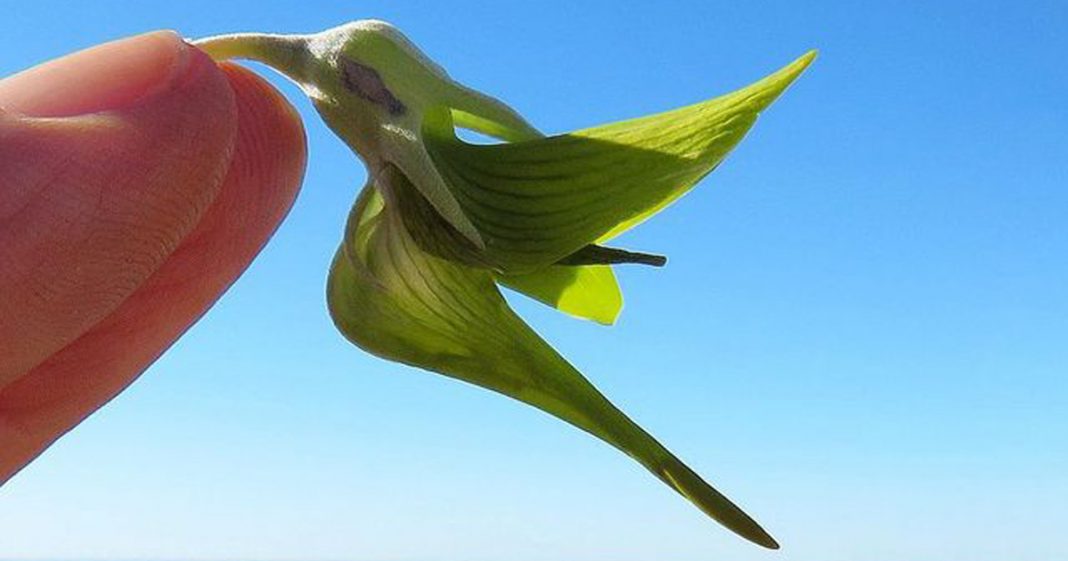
108 158
151 163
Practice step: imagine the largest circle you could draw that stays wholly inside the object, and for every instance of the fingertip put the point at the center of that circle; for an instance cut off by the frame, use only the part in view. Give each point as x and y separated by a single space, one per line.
257 95
111 158
271 134
263 179
232 118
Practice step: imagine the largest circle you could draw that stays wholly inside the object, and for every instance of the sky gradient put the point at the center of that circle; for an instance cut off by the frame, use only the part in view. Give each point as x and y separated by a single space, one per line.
861 335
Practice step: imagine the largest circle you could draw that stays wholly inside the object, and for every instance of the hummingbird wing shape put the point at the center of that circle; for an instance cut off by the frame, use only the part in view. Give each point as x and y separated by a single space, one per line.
585 291
535 202
394 299
539 201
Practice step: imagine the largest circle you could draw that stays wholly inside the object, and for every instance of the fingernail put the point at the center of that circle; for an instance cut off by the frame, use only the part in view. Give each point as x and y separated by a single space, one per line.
105 77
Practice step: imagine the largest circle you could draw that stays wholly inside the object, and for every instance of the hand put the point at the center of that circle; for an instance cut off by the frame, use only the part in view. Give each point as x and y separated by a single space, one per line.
138 179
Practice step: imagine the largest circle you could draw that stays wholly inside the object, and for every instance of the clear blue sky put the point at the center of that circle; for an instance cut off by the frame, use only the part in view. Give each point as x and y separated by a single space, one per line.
862 334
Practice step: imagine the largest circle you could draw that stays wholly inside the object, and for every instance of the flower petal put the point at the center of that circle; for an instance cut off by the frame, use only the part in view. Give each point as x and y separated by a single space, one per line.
588 291
538 201
393 299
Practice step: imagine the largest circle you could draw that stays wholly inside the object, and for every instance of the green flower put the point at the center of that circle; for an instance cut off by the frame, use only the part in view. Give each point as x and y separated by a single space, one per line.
442 223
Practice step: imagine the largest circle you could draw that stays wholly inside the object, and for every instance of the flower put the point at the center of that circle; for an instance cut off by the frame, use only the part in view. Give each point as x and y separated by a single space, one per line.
442 223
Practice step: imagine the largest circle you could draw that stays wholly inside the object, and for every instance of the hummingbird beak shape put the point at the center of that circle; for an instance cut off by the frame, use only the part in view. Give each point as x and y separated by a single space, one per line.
442 223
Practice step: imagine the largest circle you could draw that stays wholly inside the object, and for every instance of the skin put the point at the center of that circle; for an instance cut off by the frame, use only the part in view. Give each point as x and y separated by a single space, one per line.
138 180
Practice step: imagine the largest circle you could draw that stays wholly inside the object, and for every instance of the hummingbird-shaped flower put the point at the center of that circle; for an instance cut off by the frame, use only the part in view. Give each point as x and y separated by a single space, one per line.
442 223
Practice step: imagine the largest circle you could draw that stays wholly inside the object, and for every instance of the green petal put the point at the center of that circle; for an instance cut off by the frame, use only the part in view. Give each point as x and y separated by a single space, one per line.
538 201
484 114
588 292
584 290
394 300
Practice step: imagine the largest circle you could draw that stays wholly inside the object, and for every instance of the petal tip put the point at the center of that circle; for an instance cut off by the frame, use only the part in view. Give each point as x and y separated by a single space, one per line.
770 88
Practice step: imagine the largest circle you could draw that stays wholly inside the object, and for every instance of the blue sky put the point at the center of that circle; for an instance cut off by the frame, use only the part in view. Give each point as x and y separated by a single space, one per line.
860 336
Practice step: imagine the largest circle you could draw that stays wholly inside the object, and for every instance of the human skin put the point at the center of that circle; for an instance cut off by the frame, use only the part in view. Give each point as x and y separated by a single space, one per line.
138 180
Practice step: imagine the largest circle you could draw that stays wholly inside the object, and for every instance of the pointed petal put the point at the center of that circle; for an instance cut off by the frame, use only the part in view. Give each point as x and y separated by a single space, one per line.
396 301
537 201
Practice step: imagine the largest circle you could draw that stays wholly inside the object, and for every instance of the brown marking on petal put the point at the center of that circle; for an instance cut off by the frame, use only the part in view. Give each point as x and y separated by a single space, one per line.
365 82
